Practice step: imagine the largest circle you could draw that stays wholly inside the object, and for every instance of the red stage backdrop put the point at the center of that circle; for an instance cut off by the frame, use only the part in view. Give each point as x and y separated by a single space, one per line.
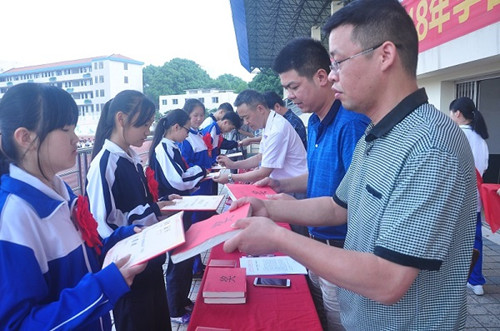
439 21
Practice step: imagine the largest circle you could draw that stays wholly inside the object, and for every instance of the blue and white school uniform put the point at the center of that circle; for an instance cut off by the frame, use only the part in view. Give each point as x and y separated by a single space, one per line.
174 176
50 278
118 191
195 152
218 141
119 196
480 153
171 171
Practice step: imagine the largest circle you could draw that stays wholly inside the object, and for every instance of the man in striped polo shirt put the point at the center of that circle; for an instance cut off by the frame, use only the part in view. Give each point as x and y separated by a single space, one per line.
408 196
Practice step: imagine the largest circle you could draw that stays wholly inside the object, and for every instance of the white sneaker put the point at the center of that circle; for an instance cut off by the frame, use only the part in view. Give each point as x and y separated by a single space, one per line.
477 289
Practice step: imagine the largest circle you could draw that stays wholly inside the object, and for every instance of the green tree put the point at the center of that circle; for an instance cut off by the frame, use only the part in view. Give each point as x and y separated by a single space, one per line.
266 80
174 77
230 82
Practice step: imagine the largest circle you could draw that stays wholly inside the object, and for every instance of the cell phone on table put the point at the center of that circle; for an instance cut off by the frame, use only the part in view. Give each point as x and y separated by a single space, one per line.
272 282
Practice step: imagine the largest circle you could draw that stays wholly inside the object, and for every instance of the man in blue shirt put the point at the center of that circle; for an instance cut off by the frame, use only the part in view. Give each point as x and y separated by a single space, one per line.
275 102
303 67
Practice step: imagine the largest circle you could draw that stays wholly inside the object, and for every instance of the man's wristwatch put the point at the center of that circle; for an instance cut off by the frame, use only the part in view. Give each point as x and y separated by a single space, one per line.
230 178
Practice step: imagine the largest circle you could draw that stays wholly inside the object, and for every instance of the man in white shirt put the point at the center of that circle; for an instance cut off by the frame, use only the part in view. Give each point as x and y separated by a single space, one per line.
281 155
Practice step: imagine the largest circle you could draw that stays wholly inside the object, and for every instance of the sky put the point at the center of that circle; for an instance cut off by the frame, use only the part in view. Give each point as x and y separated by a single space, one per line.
151 31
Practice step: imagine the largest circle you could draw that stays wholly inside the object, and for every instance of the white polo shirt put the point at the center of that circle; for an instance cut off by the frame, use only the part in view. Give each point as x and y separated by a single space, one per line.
282 148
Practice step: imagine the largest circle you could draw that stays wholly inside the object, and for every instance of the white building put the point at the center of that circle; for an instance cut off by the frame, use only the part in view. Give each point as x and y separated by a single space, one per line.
459 44
211 98
91 82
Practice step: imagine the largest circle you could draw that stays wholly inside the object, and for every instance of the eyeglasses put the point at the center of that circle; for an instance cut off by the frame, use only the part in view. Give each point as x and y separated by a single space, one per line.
187 129
335 65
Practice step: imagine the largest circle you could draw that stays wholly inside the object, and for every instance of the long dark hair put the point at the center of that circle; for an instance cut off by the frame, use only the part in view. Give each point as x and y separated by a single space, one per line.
129 102
191 104
176 116
36 107
469 111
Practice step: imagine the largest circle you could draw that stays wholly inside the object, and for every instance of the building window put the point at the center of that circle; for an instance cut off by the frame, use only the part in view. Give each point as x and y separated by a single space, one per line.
97 107
125 66
202 100
102 93
125 80
101 79
164 102
101 65
215 99
175 101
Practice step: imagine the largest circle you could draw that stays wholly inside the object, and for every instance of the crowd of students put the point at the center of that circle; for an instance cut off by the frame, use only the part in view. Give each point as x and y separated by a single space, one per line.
401 264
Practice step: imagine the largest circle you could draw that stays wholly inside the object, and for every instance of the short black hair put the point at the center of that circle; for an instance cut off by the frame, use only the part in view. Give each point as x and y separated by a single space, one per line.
251 98
232 117
273 98
304 55
390 21
226 106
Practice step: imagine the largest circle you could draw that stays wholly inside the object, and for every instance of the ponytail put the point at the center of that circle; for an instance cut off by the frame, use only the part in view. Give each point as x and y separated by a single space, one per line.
469 111
479 125
104 128
159 133
129 102
176 116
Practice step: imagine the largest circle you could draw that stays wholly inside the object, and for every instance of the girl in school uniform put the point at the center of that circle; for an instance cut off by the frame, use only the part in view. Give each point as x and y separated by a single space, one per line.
463 112
49 246
119 196
195 152
175 176
171 170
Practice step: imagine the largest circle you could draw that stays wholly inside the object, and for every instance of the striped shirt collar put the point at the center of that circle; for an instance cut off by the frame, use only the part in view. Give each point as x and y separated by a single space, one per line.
405 107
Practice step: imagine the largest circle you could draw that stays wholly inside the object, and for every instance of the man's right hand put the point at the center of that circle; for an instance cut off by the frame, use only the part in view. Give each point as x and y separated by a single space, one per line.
272 183
257 206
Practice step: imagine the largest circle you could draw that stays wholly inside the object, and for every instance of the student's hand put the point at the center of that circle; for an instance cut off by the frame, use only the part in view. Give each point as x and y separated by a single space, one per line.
257 206
129 272
162 204
224 161
174 196
280 196
222 179
257 238
268 181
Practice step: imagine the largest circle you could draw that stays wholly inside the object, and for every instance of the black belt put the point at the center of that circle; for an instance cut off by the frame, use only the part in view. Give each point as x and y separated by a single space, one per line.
330 242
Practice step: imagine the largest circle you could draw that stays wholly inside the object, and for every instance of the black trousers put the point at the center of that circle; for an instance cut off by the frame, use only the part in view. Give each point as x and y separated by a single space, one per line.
145 307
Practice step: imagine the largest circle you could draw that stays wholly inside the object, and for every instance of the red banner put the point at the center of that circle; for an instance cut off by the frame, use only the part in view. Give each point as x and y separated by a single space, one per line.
439 21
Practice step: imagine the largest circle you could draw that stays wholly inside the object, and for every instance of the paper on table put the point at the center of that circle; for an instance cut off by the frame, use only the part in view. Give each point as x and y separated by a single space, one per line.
275 265
195 202
150 242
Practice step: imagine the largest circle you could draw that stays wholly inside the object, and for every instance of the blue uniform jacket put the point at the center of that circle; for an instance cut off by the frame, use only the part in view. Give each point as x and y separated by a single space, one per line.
50 279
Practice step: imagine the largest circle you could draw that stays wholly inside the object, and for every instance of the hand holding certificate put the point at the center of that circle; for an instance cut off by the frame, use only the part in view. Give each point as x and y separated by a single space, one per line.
149 243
